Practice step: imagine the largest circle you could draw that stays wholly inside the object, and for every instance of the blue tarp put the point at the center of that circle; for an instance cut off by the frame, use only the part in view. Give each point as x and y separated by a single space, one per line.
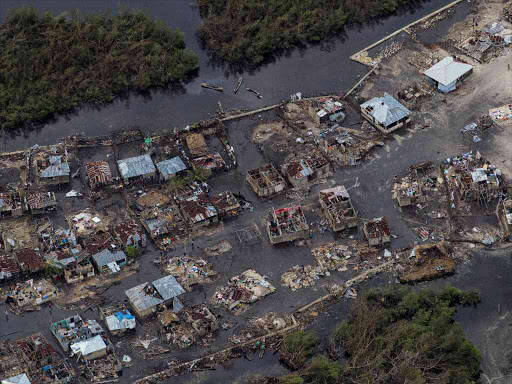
121 315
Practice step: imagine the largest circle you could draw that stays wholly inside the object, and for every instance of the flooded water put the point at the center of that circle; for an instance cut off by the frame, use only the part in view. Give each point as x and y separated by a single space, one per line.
317 70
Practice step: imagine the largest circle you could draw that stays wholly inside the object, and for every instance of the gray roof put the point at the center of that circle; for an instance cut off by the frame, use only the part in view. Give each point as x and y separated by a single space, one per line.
167 287
106 256
171 166
136 166
447 71
22 378
56 168
386 110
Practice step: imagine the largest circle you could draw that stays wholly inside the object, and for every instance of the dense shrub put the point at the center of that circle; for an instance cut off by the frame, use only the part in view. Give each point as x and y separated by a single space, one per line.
53 63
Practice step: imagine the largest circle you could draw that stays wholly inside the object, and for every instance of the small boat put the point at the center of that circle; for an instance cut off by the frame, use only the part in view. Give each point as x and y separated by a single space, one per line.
238 85
209 86
255 92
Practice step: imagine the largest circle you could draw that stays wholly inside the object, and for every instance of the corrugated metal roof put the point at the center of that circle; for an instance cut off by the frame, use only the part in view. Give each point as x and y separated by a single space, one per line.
106 256
86 347
168 287
22 378
447 71
164 289
140 299
339 190
493 28
386 110
56 168
171 166
136 166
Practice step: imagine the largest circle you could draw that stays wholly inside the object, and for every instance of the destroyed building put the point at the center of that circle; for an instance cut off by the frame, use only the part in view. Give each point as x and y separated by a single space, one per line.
504 217
209 164
300 172
41 202
97 242
473 178
227 204
138 168
53 169
9 267
409 192
171 168
348 147
326 109
32 360
130 235
337 208
447 74
118 318
196 145
108 262
11 205
29 260
190 272
198 210
266 180
377 231
385 113
76 268
74 329
287 224
201 319
164 223
146 297
243 290
98 174
31 293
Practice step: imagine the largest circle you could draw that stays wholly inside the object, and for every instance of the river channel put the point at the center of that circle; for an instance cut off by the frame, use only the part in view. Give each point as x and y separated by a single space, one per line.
312 71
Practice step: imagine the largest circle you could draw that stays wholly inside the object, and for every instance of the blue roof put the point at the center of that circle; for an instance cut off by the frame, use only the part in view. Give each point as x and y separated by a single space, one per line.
171 166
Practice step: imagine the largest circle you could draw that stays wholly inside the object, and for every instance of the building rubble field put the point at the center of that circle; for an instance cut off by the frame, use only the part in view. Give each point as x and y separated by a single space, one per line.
189 271
242 291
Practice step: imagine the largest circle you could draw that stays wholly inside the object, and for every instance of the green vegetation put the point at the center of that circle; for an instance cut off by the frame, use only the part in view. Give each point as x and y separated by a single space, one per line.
53 269
297 348
251 30
51 64
401 336
392 336
132 252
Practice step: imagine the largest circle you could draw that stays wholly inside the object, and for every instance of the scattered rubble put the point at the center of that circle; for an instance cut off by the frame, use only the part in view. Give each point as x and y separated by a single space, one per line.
243 290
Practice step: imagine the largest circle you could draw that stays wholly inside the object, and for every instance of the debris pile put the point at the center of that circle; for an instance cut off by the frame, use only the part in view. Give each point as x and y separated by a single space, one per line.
190 272
243 290
429 261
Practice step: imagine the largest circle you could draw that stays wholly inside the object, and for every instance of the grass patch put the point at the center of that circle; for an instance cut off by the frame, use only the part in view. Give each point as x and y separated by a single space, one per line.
51 64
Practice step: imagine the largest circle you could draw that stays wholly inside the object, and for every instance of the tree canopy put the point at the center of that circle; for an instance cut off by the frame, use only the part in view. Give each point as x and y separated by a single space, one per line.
249 31
51 64
398 335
